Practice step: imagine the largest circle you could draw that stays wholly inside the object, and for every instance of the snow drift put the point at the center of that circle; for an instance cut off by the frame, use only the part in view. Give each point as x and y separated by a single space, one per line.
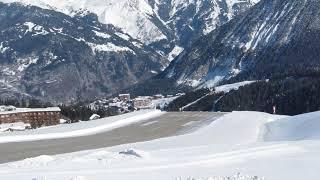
300 127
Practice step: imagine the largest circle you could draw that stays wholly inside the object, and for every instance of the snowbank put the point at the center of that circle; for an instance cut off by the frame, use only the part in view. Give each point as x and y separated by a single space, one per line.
81 129
236 128
301 127
17 126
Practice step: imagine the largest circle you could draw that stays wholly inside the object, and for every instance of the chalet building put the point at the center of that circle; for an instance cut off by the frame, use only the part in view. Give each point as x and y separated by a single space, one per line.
36 117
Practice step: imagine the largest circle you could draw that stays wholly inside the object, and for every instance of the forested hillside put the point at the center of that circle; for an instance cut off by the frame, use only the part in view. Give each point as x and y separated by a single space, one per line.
291 96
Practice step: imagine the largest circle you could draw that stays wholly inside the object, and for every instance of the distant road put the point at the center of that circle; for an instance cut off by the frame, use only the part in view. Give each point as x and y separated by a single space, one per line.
169 124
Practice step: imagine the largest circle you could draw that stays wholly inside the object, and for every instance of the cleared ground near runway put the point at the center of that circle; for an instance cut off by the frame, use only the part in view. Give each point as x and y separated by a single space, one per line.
169 124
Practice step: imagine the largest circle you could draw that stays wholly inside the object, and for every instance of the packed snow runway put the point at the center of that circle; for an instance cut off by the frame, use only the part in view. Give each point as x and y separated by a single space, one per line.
148 127
256 145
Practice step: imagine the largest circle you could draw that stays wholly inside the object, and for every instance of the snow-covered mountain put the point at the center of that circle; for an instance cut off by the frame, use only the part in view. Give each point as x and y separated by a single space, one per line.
168 26
130 15
47 54
78 49
274 38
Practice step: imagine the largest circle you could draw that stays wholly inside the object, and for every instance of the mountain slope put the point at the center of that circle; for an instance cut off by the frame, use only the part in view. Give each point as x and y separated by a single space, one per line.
127 14
62 52
50 55
189 19
168 26
274 38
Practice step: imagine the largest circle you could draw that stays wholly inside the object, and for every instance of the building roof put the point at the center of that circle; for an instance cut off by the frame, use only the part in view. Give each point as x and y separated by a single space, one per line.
124 94
139 98
22 110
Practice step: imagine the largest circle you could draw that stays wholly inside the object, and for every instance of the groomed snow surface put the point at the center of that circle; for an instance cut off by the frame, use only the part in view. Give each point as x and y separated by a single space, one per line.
256 145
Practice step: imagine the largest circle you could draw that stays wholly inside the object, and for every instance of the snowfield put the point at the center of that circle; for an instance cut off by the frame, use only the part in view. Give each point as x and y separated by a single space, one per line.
256 145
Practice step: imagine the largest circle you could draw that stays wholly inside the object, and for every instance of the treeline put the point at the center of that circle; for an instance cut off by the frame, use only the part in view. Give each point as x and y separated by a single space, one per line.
154 86
291 96
74 113
25 103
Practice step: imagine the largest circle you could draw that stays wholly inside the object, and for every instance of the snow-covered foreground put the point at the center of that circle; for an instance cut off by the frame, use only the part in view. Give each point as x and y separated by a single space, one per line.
252 143
79 129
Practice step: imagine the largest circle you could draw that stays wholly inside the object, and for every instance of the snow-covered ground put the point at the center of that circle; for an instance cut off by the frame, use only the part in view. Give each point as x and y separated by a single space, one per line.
82 128
235 86
255 144
18 126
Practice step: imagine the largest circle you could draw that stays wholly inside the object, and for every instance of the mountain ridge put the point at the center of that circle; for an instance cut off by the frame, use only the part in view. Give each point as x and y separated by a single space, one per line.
271 37
165 25
50 55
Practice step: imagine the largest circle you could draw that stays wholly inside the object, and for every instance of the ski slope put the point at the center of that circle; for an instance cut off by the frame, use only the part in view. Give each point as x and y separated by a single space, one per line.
257 145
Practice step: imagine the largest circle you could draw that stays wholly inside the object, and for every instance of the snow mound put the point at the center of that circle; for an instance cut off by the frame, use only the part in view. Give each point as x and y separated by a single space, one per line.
236 128
134 152
300 127
18 126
